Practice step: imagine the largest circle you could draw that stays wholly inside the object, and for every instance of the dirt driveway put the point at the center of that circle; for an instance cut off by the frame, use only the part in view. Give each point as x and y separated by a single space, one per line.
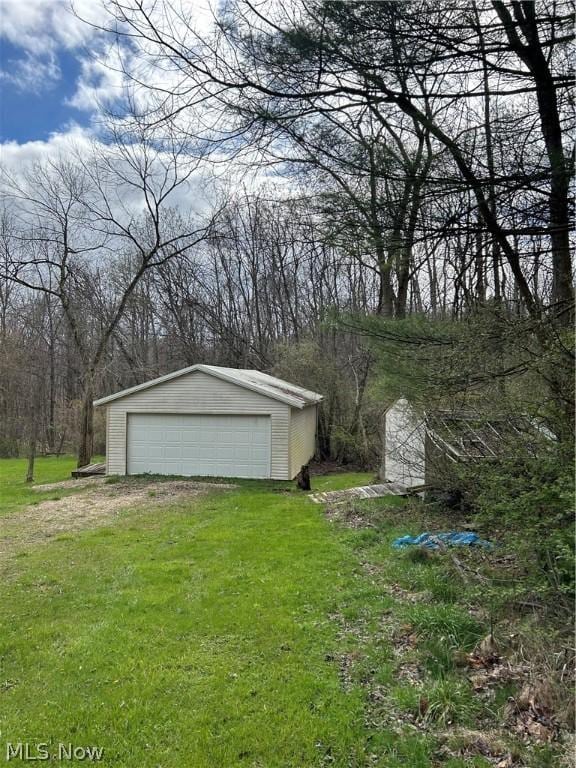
96 503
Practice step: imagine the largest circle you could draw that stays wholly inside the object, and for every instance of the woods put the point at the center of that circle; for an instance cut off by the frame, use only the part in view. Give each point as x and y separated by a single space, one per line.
382 162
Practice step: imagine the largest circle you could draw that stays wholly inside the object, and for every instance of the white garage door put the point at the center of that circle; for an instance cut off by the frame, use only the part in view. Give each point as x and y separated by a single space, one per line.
194 444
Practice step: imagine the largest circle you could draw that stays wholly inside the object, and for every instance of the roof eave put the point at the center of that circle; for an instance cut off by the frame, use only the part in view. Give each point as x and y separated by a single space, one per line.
286 399
294 402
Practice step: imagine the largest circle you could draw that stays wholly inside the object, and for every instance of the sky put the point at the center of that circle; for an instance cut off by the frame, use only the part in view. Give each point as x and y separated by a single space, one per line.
49 81
32 111
52 76
55 77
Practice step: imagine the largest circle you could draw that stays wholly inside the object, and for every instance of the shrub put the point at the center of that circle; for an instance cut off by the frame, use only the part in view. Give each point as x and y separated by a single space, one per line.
530 499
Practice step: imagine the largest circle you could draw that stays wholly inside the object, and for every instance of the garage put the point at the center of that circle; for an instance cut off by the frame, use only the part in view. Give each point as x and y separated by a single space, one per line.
195 444
209 420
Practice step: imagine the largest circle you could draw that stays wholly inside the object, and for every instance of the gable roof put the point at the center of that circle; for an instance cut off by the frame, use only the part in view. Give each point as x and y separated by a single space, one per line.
270 386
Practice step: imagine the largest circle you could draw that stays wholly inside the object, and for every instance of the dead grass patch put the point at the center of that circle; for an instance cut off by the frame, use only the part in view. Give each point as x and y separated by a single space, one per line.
347 514
97 505
75 483
468 743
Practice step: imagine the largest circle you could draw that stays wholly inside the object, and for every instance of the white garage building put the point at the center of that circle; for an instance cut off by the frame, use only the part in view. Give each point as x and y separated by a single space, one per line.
211 421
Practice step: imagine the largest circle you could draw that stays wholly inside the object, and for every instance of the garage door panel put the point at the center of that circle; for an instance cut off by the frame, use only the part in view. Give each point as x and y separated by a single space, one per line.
199 444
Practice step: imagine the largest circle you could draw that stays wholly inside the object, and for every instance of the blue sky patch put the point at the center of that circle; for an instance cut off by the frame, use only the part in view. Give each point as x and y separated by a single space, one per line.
31 111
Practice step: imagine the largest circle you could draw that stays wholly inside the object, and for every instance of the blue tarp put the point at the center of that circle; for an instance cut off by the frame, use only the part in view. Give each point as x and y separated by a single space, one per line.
435 540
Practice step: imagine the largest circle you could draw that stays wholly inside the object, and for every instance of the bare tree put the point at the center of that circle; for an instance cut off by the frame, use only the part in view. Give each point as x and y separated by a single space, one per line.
270 69
75 216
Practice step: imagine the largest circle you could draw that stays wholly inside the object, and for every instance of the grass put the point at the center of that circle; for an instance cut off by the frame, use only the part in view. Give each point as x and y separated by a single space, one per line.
241 628
336 482
196 635
434 618
15 491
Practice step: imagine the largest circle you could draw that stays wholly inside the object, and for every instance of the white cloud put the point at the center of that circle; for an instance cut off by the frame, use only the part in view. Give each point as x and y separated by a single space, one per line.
42 26
103 78
17 158
100 84
192 197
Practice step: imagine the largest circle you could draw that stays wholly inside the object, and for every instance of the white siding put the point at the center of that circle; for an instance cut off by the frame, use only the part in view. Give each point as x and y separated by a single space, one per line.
302 437
404 445
198 393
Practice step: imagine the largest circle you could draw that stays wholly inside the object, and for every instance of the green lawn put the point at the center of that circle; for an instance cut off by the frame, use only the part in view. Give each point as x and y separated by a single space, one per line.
241 628
191 635
15 491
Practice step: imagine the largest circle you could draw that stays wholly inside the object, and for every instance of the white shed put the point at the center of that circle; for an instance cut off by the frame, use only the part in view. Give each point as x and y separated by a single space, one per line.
211 421
404 450
419 446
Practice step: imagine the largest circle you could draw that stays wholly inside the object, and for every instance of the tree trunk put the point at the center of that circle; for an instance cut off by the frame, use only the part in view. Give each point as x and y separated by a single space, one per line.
86 440
495 247
533 56
480 280
32 452
60 445
357 426
386 293
51 431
